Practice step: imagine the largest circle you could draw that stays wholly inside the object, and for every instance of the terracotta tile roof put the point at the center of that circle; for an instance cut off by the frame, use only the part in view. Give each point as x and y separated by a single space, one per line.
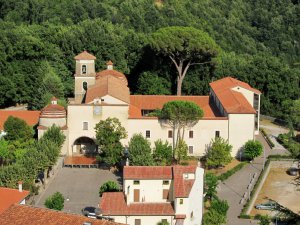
180 216
112 72
79 160
182 187
9 196
108 85
30 117
151 102
29 215
233 101
229 82
147 172
113 203
84 55
53 111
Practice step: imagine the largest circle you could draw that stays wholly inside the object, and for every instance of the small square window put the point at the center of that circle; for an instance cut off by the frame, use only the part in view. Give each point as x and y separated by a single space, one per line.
191 149
170 134
217 134
166 182
136 182
164 221
191 134
147 133
85 125
181 201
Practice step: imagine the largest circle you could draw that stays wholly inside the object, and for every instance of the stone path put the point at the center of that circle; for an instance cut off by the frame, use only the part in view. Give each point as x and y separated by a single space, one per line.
235 186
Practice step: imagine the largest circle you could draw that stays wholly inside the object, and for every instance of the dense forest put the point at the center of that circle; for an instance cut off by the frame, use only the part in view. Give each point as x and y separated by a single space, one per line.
258 40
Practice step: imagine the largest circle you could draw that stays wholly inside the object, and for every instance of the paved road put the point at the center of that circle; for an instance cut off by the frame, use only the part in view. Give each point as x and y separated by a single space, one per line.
79 185
234 187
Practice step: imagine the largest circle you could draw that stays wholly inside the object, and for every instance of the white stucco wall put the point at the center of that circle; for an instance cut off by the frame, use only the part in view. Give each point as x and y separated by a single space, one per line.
145 220
241 129
249 95
203 132
195 200
77 114
48 122
150 190
181 208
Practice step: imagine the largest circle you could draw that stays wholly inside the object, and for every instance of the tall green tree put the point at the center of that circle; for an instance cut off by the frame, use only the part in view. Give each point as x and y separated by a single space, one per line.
185 46
219 153
180 115
17 129
139 151
109 133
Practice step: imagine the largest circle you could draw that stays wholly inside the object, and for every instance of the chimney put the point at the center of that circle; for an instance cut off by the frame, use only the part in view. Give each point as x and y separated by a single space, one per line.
110 65
20 186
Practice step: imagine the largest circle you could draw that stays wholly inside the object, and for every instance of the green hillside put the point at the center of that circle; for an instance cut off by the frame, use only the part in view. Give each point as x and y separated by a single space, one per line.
258 39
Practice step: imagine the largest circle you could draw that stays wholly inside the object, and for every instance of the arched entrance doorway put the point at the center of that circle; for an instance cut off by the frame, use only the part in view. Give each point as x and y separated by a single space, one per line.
85 146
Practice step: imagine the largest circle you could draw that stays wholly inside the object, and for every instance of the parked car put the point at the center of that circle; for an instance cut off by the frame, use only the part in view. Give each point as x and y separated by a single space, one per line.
266 206
293 171
90 212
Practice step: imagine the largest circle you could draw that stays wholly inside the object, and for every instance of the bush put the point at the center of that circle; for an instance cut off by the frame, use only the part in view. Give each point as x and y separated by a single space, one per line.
252 149
181 151
211 183
219 153
268 140
56 201
232 171
263 219
216 215
109 186
17 129
162 153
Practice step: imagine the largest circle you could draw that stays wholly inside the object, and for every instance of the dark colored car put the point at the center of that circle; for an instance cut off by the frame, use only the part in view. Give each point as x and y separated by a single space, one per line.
293 171
91 212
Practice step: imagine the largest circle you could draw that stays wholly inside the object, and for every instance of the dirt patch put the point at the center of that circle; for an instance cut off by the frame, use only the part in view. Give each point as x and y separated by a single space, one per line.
280 187
232 164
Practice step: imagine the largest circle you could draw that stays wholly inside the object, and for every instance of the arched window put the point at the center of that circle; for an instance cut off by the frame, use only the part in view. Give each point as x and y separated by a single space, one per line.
84 85
83 69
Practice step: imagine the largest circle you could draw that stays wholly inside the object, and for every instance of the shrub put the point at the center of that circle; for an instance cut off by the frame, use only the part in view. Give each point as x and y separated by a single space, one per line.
56 201
216 215
252 149
140 151
162 152
17 129
181 151
232 171
266 136
211 183
219 153
109 186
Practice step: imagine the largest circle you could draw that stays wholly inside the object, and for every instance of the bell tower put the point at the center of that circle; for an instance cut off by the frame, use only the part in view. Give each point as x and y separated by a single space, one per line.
84 74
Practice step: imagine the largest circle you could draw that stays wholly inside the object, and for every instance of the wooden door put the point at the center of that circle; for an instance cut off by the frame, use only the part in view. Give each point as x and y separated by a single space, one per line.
136 195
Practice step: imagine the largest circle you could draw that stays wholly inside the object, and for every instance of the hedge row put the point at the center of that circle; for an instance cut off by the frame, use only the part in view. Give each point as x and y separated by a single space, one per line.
232 171
268 140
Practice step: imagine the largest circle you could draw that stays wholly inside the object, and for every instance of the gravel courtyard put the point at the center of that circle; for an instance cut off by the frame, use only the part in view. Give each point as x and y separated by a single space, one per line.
79 186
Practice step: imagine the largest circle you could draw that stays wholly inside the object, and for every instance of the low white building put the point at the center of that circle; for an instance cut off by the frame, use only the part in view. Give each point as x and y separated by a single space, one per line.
152 194
231 111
